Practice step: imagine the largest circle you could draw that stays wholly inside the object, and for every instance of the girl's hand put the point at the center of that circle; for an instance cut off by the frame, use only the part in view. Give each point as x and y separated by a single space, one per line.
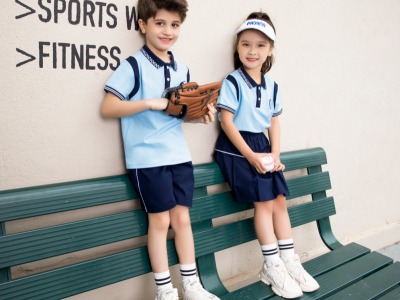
157 104
256 161
210 114
278 165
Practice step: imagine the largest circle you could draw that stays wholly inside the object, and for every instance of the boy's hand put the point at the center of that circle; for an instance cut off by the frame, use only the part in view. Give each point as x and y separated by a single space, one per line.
158 104
256 161
210 116
278 165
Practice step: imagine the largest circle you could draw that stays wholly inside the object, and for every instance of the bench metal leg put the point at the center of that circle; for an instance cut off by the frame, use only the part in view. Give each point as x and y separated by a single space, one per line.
206 265
324 225
5 274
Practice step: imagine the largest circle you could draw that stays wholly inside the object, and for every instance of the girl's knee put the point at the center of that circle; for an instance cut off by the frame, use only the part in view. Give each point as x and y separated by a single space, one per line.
180 220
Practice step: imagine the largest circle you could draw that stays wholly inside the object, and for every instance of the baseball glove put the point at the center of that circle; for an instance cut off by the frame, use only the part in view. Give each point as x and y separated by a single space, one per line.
189 101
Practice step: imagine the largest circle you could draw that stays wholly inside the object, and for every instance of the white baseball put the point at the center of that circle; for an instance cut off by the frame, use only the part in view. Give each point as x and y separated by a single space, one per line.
268 162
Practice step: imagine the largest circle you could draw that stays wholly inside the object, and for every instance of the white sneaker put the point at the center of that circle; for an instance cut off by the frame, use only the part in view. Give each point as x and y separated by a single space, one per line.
193 290
281 282
169 294
306 282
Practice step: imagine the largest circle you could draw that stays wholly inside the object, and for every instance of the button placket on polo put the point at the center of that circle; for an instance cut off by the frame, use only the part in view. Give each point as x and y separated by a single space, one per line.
167 76
258 103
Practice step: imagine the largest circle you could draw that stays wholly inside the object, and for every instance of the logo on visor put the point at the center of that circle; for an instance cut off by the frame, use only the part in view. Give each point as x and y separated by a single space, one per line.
256 23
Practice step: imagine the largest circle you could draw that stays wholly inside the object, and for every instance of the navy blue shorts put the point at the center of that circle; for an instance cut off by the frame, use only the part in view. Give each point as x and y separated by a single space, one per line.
244 180
162 188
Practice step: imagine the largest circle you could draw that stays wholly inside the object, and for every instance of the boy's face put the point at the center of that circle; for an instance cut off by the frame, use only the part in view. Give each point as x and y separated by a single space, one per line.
253 48
162 31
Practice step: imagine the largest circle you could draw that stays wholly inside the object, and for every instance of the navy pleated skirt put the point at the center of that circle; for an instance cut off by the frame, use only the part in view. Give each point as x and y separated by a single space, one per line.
243 178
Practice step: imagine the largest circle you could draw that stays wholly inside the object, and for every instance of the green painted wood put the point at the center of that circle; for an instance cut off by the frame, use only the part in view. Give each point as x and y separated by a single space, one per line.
5 273
373 286
206 265
344 276
315 267
66 238
324 224
392 295
301 159
36 201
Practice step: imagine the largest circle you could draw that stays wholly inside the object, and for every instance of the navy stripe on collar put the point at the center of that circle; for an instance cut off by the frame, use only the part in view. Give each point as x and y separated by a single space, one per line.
156 61
250 81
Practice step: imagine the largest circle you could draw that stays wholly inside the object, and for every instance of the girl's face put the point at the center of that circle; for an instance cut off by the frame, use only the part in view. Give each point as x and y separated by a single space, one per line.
253 48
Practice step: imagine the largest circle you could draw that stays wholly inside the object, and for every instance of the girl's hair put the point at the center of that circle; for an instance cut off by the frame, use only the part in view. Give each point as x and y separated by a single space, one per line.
267 65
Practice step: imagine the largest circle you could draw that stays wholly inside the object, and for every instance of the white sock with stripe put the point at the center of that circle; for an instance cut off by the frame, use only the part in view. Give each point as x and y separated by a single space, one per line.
286 248
187 272
270 253
163 281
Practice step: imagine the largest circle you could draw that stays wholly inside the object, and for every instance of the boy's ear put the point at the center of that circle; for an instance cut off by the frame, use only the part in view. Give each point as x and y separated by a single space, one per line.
142 26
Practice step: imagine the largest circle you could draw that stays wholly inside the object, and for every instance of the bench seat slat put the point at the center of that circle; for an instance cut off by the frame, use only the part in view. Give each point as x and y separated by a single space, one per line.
344 276
393 295
315 267
373 286
57 240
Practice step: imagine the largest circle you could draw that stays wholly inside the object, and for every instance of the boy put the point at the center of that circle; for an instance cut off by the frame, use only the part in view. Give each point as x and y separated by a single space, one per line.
156 152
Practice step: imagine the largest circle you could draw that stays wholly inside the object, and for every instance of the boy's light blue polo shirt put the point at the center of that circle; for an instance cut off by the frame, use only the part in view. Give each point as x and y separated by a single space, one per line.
252 104
151 138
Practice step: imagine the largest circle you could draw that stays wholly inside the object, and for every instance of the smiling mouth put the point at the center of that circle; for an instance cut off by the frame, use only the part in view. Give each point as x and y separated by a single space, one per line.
165 40
252 59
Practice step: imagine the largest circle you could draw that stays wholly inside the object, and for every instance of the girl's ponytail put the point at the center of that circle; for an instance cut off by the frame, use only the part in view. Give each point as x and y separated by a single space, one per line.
267 65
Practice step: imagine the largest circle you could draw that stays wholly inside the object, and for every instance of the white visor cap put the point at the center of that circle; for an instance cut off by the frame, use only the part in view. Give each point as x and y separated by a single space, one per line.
262 26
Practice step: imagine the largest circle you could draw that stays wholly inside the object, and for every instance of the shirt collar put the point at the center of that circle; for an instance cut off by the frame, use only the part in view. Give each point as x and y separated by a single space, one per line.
156 61
250 81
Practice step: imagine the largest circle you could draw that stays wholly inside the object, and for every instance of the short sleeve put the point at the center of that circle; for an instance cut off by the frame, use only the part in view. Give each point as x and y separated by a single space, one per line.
228 96
278 104
122 81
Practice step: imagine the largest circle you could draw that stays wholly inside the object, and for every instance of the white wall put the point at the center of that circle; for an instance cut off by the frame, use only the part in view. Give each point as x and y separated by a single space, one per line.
337 66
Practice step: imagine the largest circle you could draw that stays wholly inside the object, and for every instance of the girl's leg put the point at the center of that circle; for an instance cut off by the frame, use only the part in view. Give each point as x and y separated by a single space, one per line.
263 224
282 227
281 220
157 248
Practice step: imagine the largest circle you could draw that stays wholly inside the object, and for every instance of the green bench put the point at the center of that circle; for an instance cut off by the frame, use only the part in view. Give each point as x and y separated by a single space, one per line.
347 272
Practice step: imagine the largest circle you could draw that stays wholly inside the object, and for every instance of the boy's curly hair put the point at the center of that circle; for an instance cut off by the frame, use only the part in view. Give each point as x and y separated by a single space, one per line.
267 65
149 8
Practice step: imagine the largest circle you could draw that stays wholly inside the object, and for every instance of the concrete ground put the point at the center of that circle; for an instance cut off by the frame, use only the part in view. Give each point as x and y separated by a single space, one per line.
392 251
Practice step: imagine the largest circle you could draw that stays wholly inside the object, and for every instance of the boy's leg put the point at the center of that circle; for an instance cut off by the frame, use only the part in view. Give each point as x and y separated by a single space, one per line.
184 244
157 241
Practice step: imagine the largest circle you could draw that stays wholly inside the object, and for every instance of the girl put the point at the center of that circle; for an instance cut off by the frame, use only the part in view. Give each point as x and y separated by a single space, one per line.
249 103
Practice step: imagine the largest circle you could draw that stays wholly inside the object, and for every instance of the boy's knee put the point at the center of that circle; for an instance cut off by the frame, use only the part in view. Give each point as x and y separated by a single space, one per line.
160 221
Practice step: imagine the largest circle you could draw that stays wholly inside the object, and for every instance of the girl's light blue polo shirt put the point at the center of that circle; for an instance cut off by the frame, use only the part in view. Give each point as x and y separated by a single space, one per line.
252 104
151 138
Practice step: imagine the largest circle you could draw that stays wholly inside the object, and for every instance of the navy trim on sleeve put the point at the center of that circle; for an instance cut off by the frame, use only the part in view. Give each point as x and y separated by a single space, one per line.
135 67
277 114
188 76
219 106
235 84
115 92
275 93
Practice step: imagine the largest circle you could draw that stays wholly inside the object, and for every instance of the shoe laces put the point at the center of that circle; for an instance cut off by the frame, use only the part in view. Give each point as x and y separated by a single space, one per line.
169 295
